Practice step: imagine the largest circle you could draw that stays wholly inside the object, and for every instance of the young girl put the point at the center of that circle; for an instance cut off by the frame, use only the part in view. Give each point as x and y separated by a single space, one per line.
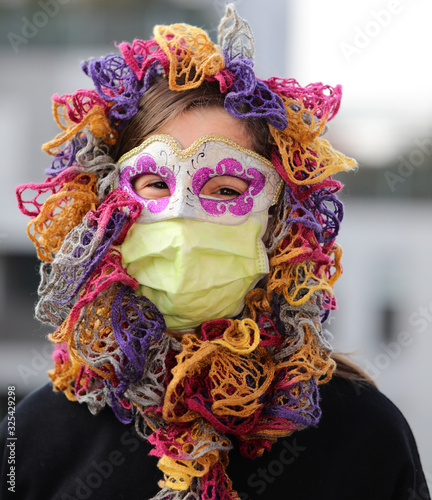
189 258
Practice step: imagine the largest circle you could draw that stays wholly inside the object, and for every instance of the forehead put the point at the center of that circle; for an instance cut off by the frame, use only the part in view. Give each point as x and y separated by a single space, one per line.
195 123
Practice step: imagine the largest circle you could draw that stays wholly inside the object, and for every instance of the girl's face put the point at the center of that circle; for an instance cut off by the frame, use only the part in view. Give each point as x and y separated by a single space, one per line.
196 249
186 129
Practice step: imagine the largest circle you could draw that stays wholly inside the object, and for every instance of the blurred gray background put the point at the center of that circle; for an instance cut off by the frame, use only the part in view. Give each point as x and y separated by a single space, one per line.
378 50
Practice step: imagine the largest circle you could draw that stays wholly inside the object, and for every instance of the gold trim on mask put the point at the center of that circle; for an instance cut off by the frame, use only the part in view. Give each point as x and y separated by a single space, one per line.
184 154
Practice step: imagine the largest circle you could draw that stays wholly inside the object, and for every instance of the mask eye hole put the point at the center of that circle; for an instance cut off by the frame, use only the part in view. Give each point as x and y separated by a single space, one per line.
224 187
150 187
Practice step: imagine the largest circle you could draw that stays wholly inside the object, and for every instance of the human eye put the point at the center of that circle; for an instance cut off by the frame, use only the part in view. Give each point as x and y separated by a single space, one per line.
150 186
224 187
226 191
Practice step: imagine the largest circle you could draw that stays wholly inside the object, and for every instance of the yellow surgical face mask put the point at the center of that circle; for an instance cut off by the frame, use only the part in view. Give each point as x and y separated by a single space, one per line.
195 271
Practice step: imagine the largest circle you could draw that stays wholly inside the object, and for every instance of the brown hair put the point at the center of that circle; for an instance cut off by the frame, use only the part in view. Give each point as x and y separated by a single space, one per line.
346 368
160 105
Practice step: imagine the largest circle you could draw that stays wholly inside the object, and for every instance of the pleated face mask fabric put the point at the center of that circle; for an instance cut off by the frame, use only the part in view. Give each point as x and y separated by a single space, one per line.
187 171
194 271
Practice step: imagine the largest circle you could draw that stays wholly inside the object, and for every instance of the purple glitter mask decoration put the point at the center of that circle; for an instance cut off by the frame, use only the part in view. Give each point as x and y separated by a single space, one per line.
241 205
145 164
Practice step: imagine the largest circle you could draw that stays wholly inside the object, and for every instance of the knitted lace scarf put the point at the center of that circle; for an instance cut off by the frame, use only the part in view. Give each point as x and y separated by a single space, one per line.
254 378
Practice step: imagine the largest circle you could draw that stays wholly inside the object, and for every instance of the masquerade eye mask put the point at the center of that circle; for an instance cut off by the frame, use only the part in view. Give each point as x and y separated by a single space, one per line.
187 171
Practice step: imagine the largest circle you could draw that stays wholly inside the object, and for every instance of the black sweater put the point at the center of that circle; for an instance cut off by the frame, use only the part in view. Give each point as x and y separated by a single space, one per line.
362 449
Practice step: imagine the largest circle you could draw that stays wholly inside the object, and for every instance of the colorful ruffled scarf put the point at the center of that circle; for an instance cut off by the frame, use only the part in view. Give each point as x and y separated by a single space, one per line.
254 378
